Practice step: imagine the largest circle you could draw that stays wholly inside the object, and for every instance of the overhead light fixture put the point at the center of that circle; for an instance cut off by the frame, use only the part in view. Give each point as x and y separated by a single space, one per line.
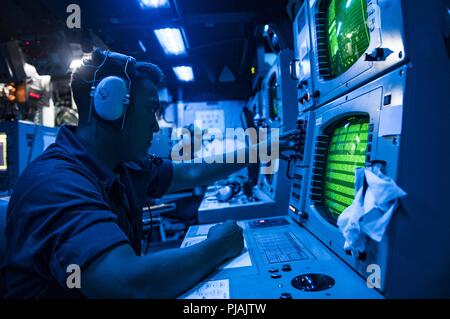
184 73
153 4
171 41
75 64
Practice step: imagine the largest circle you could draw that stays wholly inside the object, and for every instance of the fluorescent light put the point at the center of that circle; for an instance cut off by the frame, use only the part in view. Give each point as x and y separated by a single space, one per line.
143 48
151 4
171 41
75 63
349 2
184 73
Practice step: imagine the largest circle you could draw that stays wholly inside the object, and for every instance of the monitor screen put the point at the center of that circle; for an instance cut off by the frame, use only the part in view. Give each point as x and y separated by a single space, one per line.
346 152
348 34
3 147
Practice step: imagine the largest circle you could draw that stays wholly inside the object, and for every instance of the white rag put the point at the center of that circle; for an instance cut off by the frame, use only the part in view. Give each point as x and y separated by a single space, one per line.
371 209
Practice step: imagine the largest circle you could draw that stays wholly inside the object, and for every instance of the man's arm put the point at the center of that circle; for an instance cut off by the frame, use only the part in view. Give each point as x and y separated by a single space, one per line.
187 175
166 274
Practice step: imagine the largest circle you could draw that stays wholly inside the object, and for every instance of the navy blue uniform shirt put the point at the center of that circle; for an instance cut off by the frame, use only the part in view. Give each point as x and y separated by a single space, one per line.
68 208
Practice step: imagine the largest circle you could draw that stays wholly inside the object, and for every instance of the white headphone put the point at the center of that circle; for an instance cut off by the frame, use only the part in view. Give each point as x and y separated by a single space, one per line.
111 96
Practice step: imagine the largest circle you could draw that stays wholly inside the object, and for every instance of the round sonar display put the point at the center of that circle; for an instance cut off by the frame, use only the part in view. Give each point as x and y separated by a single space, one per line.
342 30
313 282
346 152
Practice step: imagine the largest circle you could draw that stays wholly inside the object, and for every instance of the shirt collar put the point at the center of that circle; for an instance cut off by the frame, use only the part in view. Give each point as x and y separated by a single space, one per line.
69 141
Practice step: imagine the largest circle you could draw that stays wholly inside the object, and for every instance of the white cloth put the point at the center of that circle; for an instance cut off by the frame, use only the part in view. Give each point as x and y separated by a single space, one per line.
371 210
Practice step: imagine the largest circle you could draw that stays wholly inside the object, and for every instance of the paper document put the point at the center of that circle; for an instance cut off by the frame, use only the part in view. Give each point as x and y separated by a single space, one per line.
203 229
215 289
192 241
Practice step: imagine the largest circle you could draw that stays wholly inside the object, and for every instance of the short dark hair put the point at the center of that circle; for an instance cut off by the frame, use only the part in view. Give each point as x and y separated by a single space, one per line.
82 77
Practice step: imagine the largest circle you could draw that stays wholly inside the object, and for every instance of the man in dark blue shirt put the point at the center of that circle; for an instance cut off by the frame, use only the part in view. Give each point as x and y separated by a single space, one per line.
80 202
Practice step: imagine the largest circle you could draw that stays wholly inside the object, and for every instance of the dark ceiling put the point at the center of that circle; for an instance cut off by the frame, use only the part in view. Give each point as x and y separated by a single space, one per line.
219 33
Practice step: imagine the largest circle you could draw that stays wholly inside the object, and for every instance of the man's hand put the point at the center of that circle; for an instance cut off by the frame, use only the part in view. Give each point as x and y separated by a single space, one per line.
229 236
288 139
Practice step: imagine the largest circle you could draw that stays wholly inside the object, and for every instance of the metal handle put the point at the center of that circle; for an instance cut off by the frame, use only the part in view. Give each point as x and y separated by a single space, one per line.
292 69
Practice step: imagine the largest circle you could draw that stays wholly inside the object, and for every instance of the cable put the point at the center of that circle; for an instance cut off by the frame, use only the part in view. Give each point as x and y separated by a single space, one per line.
127 97
93 86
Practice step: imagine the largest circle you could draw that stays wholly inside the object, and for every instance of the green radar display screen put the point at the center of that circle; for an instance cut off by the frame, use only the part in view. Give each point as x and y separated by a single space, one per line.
346 152
347 34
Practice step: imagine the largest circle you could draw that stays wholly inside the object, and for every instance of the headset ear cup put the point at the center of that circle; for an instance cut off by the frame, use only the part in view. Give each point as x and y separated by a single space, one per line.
111 98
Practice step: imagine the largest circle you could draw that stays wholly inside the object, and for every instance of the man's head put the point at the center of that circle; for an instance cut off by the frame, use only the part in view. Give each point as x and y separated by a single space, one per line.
140 122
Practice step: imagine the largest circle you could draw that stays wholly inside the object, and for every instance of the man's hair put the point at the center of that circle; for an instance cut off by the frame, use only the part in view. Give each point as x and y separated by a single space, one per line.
114 65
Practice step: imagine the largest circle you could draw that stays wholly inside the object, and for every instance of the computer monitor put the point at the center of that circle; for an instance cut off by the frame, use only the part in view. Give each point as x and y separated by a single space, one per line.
280 111
342 146
346 151
348 34
279 105
375 95
341 36
353 42
348 133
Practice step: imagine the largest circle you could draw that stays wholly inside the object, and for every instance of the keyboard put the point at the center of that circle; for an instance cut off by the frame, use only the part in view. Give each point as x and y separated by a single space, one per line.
280 246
